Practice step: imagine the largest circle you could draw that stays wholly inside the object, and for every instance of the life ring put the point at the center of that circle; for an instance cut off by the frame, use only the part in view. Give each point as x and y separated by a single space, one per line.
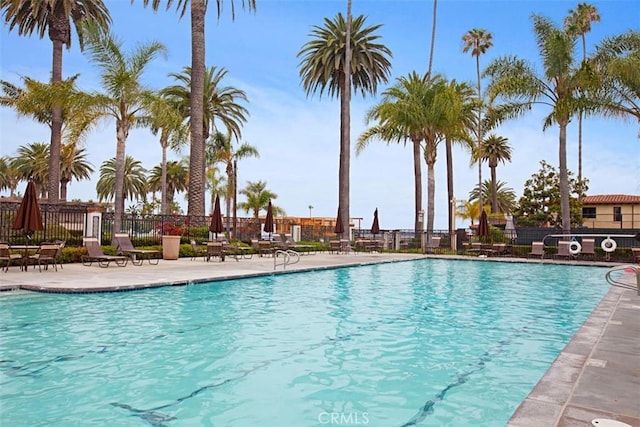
608 245
575 247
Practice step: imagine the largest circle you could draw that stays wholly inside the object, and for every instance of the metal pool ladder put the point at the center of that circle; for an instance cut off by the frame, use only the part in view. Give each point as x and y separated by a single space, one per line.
624 280
286 255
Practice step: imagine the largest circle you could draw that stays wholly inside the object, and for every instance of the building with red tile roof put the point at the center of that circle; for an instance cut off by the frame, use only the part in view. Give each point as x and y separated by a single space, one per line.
611 211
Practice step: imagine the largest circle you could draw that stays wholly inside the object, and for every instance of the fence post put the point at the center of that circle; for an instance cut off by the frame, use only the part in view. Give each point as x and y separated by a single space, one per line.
93 224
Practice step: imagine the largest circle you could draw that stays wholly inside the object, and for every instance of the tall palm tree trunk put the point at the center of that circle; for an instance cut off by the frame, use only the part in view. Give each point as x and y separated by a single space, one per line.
417 177
479 131
450 196
494 190
121 137
53 185
235 199
433 38
164 203
345 130
564 178
196 155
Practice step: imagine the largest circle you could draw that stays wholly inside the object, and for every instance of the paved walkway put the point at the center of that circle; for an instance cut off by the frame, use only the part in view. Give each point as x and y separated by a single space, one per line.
597 375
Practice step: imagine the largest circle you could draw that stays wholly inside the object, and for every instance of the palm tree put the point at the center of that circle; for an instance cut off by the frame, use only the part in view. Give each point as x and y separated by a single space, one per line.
258 198
323 67
125 98
399 116
135 180
216 184
459 114
37 100
467 209
9 176
173 175
222 151
55 17
165 118
558 87
221 104
32 163
478 41
433 37
617 61
505 196
495 149
196 158
73 165
579 22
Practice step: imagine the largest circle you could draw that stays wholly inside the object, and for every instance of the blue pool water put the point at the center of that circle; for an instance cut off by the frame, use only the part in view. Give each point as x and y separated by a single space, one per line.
425 343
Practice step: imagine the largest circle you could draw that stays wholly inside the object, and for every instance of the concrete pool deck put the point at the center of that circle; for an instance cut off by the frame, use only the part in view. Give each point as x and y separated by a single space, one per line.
596 376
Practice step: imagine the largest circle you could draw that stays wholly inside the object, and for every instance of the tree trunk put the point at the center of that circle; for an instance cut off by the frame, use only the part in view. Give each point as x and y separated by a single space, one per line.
53 186
63 189
121 138
479 135
494 192
164 203
430 154
433 38
564 178
196 155
345 130
235 199
229 197
450 196
417 176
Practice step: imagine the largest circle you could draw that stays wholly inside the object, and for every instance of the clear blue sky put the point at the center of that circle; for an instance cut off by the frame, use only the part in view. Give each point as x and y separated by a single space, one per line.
298 137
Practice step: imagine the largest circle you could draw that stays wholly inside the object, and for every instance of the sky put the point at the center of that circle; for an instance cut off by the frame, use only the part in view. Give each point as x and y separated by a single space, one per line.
297 135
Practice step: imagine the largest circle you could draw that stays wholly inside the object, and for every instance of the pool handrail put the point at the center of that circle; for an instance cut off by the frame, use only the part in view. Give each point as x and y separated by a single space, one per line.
624 284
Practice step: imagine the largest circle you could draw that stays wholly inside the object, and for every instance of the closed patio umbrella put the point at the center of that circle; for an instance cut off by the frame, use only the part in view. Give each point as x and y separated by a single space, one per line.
268 222
339 229
375 227
216 219
28 218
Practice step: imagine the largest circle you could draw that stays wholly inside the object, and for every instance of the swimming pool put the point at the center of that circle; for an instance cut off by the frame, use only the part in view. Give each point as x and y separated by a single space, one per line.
428 343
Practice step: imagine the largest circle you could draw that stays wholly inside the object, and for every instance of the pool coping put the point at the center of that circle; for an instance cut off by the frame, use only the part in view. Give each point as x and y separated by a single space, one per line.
603 355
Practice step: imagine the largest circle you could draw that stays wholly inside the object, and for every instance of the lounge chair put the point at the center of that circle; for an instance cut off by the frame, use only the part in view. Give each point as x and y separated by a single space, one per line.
537 250
6 257
432 244
61 244
563 250
588 249
215 249
46 255
290 244
95 254
125 247
500 249
262 247
335 246
198 251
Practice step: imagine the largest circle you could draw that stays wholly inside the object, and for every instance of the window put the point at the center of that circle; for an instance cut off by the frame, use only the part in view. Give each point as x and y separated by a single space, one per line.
617 213
588 212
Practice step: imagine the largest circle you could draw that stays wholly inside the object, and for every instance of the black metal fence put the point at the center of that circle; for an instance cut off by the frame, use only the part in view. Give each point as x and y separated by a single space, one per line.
67 222
60 221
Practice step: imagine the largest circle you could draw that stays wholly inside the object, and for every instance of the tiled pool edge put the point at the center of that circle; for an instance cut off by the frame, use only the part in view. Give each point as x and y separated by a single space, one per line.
552 403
